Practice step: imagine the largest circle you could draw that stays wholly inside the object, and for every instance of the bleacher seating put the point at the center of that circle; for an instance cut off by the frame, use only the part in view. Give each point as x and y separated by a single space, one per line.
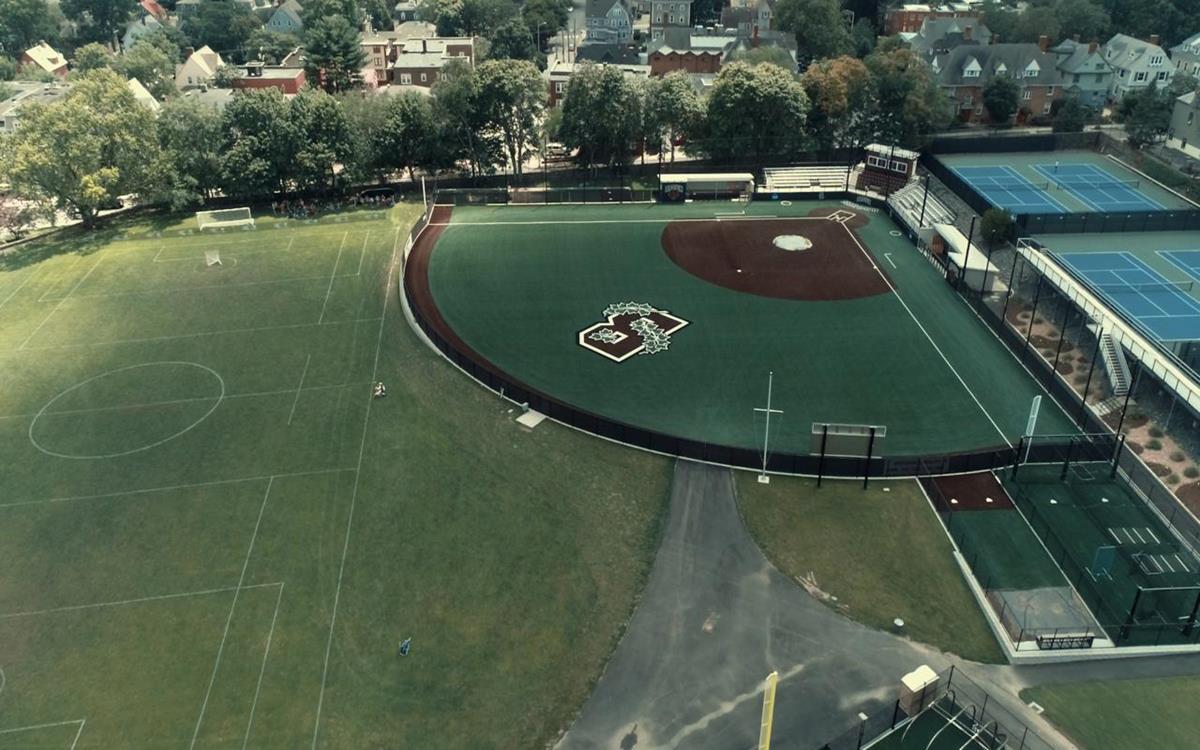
804 179
907 202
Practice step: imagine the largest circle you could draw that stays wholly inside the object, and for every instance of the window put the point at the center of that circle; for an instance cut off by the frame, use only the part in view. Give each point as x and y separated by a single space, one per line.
1139 77
968 100
1027 94
899 166
405 79
1046 108
1162 75
971 73
1156 61
1076 80
559 87
424 78
877 161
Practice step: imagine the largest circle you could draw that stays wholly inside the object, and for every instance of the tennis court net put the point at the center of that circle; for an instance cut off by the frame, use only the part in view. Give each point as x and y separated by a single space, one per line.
1000 184
1103 184
1119 288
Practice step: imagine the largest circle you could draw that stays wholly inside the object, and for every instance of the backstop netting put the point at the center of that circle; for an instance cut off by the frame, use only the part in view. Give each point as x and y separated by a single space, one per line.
224 218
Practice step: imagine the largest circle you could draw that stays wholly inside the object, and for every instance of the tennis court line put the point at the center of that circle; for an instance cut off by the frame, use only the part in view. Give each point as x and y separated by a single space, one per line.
362 446
173 487
1045 194
1108 184
928 337
1174 258
137 600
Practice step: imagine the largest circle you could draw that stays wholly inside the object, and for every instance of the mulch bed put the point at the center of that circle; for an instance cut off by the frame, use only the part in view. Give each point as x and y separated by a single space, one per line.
1189 495
971 492
1159 470
740 255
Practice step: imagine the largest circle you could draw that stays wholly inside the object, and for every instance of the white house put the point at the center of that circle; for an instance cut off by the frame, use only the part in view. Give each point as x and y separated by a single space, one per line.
143 95
198 70
1186 55
608 22
147 24
1136 64
286 18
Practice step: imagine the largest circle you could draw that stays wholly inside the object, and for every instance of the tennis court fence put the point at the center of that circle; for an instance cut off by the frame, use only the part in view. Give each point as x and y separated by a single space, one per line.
952 684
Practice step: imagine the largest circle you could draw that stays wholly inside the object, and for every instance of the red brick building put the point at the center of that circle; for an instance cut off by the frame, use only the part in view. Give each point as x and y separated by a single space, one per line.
908 18
963 72
259 76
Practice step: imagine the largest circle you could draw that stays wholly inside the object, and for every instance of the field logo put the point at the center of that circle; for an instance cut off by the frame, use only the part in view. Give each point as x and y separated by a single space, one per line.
630 328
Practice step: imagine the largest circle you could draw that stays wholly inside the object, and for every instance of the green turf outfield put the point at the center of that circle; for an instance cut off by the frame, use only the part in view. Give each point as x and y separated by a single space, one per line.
518 283
1123 714
197 482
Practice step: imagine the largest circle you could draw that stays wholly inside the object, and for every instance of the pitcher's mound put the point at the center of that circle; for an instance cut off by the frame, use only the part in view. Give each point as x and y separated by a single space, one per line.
792 242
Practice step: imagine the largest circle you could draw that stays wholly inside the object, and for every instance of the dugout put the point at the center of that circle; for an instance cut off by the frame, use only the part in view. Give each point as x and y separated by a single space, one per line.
969 259
676 188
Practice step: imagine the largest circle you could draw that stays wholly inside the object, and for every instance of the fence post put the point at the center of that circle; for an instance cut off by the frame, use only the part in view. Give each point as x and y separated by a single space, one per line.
1037 295
867 466
1088 386
821 459
1116 457
962 276
1012 279
924 199
1062 335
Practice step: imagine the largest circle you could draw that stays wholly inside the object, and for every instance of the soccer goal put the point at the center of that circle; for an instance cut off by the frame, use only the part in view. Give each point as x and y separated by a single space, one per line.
224 218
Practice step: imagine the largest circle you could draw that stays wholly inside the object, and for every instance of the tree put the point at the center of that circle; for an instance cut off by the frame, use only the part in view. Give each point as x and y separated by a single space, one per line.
601 116
85 149
315 10
93 56
270 46
862 34
1083 17
842 94
223 25
8 68
190 135
1071 116
908 100
547 17
1001 19
258 144
706 11
23 23
514 41
99 20
1146 115
151 66
461 126
995 227
760 55
818 25
402 140
754 111
322 135
1035 22
380 13
335 60
1001 97
676 108
510 100
17 217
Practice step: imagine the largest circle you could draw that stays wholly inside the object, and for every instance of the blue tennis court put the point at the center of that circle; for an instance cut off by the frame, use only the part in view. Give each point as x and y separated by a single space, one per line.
1163 307
1097 188
1007 188
1187 261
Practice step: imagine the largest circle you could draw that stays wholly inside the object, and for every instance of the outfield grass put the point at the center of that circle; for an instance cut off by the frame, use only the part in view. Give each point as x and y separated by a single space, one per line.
1124 714
198 484
883 554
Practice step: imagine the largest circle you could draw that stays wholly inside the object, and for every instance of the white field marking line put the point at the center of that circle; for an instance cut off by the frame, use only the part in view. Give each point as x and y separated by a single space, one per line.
35 727
123 602
1153 536
174 402
263 668
14 292
332 276
177 337
663 220
42 298
1116 538
170 488
3 680
1141 539
888 258
160 252
60 304
232 608
928 337
232 253
363 254
337 592
197 288
1182 564
299 388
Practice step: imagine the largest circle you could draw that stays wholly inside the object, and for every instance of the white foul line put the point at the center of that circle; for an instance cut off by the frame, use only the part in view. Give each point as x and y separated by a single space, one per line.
363 254
332 276
299 388
263 668
337 592
123 602
232 607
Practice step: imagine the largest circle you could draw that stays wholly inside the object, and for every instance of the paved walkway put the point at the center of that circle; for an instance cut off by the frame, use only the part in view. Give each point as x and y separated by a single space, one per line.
714 620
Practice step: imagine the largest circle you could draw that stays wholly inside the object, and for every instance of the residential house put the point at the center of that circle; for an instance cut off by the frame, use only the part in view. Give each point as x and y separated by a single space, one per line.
198 69
680 49
963 72
1085 73
215 98
419 62
45 58
413 30
139 28
286 18
669 14
909 17
151 7
143 95
611 54
23 93
749 17
938 35
1186 56
1184 132
256 75
254 6
1136 64
785 40
405 10
558 76
186 9
608 22
378 50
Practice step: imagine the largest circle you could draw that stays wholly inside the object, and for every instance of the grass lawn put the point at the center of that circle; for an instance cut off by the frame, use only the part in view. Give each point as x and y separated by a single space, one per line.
1124 714
212 536
882 554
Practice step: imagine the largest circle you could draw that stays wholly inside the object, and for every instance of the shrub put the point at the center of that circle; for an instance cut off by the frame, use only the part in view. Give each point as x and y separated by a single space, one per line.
1191 472
1156 431
1177 456
1137 448
1173 479
1154 445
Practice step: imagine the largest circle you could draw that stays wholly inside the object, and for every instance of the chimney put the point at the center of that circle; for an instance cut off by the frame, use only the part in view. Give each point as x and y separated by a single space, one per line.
1093 46
967 33
1153 39
1043 42
754 40
1075 38
188 52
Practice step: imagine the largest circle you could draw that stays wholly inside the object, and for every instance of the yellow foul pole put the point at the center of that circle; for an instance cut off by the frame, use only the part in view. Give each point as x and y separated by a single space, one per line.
768 711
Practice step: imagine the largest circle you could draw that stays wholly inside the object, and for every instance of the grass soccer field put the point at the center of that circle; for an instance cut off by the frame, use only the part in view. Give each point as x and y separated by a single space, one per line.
855 324
211 535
